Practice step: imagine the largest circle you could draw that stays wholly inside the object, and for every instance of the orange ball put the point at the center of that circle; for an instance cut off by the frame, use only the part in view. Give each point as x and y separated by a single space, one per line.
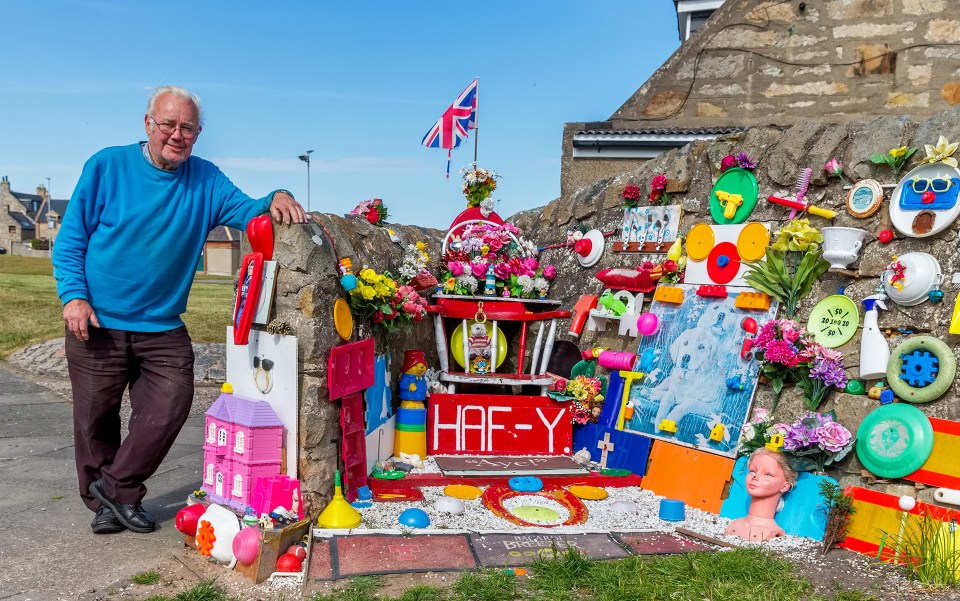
288 562
297 550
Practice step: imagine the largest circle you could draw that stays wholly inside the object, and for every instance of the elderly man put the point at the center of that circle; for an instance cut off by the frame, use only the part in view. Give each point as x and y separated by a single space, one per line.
124 262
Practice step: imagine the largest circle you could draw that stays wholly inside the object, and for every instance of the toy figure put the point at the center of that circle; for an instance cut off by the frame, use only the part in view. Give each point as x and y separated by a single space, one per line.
769 476
479 348
413 384
411 432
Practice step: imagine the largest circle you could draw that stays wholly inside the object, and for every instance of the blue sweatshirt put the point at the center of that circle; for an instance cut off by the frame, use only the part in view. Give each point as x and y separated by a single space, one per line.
133 233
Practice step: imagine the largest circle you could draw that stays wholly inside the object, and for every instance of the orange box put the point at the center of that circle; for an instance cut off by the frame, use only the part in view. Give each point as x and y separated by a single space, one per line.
695 477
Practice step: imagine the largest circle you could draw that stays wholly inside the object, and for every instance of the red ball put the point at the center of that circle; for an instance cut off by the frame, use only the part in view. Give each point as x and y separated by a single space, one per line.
886 236
288 562
297 550
188 517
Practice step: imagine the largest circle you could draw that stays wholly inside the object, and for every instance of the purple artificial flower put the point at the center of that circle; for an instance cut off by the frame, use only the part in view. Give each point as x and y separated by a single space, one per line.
829 372
456 268
744 160
549 272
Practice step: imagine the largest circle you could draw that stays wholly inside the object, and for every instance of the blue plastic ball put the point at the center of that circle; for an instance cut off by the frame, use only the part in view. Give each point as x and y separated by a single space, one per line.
414 518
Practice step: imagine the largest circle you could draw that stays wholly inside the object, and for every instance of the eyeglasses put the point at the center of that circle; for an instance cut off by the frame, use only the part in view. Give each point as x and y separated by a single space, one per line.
267 364
188 131
935 184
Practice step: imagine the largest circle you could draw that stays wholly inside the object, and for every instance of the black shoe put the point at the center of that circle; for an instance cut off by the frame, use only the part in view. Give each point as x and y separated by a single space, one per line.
132 516
106 522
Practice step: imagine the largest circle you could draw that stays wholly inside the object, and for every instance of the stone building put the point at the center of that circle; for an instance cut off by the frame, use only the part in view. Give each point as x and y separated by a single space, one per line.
24 217
766 63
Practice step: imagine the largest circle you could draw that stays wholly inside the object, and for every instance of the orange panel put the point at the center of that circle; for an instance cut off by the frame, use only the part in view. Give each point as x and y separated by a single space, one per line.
695 477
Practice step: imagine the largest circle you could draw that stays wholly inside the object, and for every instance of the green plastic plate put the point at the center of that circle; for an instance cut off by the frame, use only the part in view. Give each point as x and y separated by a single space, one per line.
834 321
894 440
734 181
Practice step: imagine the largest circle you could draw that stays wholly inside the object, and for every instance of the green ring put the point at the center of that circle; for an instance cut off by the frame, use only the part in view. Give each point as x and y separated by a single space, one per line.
901 452
947 369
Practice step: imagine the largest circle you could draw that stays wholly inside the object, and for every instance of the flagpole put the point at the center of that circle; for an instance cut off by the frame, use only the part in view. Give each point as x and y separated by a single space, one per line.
476 129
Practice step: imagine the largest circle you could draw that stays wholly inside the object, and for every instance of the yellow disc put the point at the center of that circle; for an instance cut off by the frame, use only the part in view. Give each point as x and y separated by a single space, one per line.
700 242
462 491
753 241
590 493
342 319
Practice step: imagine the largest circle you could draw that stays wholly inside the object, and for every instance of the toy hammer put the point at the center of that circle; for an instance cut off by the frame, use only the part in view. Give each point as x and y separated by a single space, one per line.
580 313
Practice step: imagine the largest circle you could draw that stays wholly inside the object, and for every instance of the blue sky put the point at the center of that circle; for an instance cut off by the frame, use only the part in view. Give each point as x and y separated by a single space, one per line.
359 83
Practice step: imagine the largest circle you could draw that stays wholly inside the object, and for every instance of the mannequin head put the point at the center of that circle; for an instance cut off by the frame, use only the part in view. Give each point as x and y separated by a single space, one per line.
769 474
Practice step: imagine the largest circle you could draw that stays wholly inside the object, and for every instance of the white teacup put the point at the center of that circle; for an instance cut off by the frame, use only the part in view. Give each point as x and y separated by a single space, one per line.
841 245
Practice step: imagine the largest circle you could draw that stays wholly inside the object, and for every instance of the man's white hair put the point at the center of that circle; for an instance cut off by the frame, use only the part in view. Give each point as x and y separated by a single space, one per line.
176 91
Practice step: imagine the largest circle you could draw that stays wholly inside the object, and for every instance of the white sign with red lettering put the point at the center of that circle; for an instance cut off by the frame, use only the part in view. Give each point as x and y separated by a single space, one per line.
480 424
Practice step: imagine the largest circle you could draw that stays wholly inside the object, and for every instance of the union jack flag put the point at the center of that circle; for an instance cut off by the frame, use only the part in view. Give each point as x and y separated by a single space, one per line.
451 128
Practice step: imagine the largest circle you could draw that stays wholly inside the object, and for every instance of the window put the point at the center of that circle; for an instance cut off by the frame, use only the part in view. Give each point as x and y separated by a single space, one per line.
12 229
208 479
222 437
212 432
238 485
238 443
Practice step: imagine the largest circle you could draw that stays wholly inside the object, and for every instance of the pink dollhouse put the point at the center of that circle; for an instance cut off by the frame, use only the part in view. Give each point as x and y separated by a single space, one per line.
243 440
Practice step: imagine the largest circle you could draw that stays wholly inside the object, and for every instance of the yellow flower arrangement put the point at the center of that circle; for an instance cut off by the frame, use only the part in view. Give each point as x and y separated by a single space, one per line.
798 235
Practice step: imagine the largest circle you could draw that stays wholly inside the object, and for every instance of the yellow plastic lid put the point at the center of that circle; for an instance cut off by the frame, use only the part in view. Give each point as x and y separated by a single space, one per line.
700 241
753 241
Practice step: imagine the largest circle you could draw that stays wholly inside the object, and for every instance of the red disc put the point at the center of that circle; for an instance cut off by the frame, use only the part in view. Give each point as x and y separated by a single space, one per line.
723 263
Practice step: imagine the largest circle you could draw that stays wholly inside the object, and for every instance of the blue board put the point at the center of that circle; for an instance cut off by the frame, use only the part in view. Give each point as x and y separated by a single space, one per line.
804 511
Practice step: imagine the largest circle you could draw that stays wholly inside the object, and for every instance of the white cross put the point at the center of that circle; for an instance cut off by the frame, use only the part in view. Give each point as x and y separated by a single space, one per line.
605 447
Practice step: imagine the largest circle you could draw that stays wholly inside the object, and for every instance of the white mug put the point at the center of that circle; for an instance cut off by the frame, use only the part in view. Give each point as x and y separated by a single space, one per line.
841 245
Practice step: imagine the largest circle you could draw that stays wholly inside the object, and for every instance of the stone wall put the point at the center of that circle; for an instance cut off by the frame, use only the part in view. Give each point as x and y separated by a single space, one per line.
758 62
308 285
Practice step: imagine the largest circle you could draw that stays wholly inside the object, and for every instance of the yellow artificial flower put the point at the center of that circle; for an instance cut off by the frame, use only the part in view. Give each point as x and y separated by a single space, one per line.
450 284
898 152
369 275
941 152
421 246
382 289
798 235
367 292
484 250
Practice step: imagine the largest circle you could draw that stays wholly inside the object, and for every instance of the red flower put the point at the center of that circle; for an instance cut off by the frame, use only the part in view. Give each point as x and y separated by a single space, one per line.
631 192
656 196
670 266
377 317
727 162
373 215
659 182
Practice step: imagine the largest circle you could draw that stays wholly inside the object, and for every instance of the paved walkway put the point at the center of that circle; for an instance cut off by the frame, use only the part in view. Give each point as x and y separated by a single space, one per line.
47 550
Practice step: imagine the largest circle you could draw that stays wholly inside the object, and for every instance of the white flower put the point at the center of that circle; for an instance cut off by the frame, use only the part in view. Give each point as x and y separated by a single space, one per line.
469 281
526 283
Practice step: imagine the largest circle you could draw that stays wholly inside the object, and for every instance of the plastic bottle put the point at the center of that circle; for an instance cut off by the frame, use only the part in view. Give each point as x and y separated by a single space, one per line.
874 352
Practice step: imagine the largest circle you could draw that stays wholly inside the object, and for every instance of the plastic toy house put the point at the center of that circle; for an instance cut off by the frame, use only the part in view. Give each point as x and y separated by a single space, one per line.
243 440
485 352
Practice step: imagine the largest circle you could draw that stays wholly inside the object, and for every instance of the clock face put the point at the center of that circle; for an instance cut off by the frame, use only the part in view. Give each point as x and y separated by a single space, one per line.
834 321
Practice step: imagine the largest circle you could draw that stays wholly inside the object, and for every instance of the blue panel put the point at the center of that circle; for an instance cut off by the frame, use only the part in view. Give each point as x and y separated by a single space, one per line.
804 512
378 396
630 451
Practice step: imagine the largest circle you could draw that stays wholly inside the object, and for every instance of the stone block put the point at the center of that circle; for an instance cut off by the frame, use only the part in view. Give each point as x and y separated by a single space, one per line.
664 103
943 31
923 7
784 161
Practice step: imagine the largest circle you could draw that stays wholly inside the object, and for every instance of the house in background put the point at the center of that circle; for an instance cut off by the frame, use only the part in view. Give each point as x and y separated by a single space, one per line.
221 251
243 440
759 63
24 217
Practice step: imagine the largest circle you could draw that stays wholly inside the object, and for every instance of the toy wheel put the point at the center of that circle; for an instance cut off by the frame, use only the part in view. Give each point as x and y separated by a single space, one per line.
921 369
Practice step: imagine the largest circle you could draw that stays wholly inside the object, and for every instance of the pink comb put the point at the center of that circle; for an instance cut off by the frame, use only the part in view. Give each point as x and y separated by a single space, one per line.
803 182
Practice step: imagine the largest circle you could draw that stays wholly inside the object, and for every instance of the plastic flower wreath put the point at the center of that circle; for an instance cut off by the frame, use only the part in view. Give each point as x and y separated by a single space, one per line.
374 211
517 271
478 184
894 159
813 442
741 160
630 196
658 190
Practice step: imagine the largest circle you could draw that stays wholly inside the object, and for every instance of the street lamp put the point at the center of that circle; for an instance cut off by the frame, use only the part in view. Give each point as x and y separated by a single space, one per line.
306 159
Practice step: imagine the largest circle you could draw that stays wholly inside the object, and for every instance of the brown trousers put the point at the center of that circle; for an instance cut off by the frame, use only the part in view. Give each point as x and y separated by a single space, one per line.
158 369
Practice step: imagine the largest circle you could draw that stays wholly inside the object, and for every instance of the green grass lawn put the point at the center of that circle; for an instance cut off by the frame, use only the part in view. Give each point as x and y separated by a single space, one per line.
30 311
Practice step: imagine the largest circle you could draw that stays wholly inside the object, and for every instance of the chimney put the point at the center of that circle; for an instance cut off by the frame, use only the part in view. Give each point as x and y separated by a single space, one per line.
5 185
42 192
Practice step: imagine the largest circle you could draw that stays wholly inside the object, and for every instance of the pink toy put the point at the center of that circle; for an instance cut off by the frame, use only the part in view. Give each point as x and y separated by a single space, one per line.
246 545
647 324
243 442
277 491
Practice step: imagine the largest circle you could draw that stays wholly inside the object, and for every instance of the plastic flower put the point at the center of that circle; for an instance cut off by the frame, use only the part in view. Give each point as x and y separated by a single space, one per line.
728 162
745 161
942 152
782 352
630 195
833 436
798 235
659 182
